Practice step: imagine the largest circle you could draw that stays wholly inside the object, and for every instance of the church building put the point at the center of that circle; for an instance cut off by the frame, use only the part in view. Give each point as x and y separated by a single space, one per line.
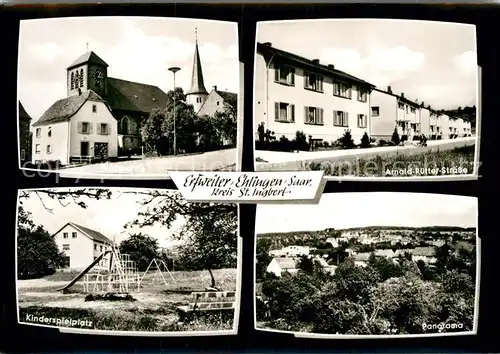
110 124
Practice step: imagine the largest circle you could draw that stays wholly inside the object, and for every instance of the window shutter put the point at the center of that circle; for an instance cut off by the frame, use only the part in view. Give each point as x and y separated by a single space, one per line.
346 118
276 111
109 129
292 116
98 128
335 122
321 115
306 79
350 92
276 73
80 127
321 83
306 115
90 128
292 76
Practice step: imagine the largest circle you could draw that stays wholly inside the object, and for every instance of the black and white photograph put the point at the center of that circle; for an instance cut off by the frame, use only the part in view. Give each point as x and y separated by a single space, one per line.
369 264
96 96
375 98
127 260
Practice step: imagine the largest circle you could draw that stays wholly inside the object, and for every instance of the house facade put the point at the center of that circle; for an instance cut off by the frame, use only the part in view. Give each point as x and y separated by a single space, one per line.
291 251
81 246
77 127
24 135
292 93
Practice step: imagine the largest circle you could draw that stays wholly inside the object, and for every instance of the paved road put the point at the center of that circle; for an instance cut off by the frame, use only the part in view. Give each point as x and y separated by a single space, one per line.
290 161
157 167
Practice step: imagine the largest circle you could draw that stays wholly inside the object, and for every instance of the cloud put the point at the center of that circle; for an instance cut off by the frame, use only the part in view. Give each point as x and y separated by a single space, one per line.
466 63
380 67
45 52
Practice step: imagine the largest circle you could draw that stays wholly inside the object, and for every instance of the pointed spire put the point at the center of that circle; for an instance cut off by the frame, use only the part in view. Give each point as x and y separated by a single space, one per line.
197 84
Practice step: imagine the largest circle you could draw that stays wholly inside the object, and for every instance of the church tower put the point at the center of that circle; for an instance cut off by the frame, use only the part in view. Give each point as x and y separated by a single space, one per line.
88 72
197 93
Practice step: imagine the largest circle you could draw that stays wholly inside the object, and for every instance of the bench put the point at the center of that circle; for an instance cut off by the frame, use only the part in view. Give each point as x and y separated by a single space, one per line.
204 302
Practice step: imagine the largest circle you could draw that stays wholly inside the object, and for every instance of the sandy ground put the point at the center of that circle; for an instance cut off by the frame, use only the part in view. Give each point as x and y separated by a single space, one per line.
277 157
39 283
158 166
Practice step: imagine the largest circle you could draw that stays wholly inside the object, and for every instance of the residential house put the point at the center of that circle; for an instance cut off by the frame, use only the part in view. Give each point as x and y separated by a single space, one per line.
24 135
291 251
427 254
390 111
333 242
444 126
361 259
293 93
279 265
82 246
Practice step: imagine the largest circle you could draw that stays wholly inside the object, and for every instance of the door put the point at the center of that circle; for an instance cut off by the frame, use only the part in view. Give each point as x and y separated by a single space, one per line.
84 148
101 150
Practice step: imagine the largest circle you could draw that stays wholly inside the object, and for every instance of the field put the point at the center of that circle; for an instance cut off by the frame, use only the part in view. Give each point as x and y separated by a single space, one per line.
458 161
152 308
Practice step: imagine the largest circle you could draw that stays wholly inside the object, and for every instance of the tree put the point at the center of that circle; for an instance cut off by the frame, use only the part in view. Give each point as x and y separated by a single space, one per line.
346 141
395 137
225 123
384 267
365 141
262 256
209 232
306 265
160 123
37 251
66 196
142 249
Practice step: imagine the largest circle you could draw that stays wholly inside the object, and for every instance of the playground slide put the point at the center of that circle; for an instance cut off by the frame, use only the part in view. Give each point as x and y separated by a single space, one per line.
83 272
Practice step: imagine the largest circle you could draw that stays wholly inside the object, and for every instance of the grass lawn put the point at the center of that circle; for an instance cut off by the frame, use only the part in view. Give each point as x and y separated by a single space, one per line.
154 306
458 161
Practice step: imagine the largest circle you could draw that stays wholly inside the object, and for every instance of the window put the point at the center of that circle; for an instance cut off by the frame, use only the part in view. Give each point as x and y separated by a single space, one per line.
65 235
37 148
94 108
412 109
284 75
401 105
65 247
103 129
362 95
313 115
100 248
342 90
38 132
284 112
84 128
375 111
340 118
81 77
23 154
218 103
313 82
49 149
73 234
406 108
362 121
72 80
49 132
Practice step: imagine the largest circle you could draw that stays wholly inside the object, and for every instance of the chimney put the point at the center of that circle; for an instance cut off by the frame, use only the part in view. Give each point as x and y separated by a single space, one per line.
389 89
315 61
423 105
331 66
268 44
214 88
402 95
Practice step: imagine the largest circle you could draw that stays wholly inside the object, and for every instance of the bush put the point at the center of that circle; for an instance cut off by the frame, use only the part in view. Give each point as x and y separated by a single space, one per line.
346 141
300 141
395 137
365 141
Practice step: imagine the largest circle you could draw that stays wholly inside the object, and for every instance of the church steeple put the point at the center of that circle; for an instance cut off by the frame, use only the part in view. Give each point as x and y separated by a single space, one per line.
197 93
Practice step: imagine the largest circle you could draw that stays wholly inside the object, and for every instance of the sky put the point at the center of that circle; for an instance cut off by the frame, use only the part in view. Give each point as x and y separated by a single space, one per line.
346 210
429 61
137 49
105 216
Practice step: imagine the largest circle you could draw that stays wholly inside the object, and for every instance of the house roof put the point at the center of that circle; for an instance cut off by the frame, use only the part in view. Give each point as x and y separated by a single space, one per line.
23 115
133 96
286 262
92 234
65 108
401 98
362 257
230 98
384 253
88 58
265 48
418 251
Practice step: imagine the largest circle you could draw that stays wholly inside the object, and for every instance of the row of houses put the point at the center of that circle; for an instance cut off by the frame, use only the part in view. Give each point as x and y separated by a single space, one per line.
293 93
102 116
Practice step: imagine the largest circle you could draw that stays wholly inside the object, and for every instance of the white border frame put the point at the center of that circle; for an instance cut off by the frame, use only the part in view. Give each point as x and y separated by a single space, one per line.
385 336
237 306
66 173
466 177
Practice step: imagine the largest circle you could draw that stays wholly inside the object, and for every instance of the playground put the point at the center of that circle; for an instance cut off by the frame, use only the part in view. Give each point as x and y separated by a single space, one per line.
119 297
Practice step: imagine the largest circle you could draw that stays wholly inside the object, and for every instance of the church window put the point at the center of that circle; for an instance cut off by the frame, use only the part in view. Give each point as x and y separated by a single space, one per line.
77 79
94 108
81 77
72 80
125 125
218 103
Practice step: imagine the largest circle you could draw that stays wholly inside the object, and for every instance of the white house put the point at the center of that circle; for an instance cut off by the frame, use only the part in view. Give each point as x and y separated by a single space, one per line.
293 93
82 246
279 265
79 126
333 242
291 251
